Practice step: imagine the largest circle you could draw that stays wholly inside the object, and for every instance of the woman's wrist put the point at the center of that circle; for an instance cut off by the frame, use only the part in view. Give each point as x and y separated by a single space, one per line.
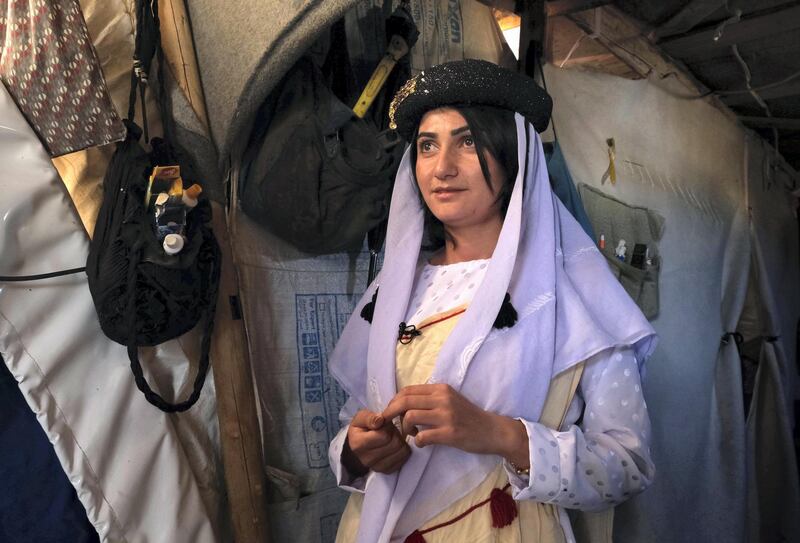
512 441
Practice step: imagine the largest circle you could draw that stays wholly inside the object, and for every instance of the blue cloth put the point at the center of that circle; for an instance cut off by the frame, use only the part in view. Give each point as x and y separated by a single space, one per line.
37 502
564 188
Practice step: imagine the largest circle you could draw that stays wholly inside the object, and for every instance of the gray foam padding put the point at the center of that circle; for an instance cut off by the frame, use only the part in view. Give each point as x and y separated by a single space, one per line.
267 37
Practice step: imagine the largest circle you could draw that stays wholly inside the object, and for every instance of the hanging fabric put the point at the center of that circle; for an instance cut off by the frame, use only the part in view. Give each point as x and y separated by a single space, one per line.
49 66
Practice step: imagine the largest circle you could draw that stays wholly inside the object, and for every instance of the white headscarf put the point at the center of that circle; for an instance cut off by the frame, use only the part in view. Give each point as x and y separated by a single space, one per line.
570 307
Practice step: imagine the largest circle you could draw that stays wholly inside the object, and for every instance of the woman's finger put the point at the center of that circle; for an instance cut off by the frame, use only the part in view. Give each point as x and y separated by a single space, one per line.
364 440
405 402
365 418
394 461
414 390
434 436
421 417
371 456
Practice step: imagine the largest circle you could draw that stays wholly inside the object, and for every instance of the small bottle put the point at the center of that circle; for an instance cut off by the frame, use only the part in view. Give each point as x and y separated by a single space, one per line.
621 250
190 195
173 244
602 241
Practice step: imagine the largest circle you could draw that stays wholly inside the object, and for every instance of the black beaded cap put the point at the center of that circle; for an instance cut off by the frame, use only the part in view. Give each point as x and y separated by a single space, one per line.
468 82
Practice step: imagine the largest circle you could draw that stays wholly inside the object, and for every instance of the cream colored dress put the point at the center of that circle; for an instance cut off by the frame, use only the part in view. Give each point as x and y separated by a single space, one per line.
536 522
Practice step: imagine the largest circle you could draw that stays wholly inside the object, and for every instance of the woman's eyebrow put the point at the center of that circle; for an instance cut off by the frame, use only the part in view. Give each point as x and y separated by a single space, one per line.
458 131
427 135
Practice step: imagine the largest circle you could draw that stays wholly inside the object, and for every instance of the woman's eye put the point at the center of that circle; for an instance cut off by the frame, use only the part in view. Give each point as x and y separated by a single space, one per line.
425 146
469 142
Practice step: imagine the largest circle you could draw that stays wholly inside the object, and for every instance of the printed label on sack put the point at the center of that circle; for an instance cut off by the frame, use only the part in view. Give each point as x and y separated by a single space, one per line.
320 320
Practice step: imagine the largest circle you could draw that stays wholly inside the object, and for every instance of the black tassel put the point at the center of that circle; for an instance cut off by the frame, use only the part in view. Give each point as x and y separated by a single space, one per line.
368 310
507 316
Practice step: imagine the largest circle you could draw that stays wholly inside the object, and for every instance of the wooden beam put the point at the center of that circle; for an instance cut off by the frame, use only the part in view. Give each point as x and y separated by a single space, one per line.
689 17
783 91
567 46
178 47
624 37
555 8
236 404
591 59
772 122
701 43
619 34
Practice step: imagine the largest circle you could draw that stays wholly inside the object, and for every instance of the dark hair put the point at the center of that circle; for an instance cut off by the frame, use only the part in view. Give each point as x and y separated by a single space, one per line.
494 131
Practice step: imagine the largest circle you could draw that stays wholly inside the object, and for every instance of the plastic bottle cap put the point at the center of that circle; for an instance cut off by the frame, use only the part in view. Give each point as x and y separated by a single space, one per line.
188 201
173 243
193 191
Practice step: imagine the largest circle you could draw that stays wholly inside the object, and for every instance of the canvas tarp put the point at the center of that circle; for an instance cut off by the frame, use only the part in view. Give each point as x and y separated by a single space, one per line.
772 474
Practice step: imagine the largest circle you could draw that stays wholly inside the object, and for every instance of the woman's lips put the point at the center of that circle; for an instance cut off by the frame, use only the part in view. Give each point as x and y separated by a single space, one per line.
446 194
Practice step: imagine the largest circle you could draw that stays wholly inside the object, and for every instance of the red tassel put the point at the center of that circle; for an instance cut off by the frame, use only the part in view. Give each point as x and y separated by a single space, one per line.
504 508
415 537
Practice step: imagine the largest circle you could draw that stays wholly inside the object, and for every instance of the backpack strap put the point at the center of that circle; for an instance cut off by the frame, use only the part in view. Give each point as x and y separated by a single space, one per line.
588 526
559 396
205 347
148 40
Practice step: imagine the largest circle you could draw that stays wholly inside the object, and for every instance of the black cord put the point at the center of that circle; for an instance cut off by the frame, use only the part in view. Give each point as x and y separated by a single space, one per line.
20 278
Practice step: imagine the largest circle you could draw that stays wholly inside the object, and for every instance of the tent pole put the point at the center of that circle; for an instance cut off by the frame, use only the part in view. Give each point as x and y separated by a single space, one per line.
236 403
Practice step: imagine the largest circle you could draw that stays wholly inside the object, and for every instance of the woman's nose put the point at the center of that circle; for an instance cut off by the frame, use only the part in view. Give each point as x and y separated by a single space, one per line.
446 165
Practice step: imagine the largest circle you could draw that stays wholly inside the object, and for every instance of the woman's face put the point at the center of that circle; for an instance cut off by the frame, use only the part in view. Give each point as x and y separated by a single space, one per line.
449 173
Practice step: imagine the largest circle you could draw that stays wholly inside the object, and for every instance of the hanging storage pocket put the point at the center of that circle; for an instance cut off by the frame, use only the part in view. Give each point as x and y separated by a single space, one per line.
641 285
641 229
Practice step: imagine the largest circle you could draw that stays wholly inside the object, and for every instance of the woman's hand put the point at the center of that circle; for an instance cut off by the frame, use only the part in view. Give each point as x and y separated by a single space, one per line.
373 443
438 415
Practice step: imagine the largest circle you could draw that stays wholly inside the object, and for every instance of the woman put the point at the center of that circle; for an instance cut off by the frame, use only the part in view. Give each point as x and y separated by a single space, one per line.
471 365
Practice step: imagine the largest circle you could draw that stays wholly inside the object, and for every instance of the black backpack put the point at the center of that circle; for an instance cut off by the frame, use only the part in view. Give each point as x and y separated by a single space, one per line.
142 295
314 173
321 178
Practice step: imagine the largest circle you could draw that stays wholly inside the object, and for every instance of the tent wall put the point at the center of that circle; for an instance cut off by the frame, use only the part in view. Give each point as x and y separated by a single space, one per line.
774 497
684 159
